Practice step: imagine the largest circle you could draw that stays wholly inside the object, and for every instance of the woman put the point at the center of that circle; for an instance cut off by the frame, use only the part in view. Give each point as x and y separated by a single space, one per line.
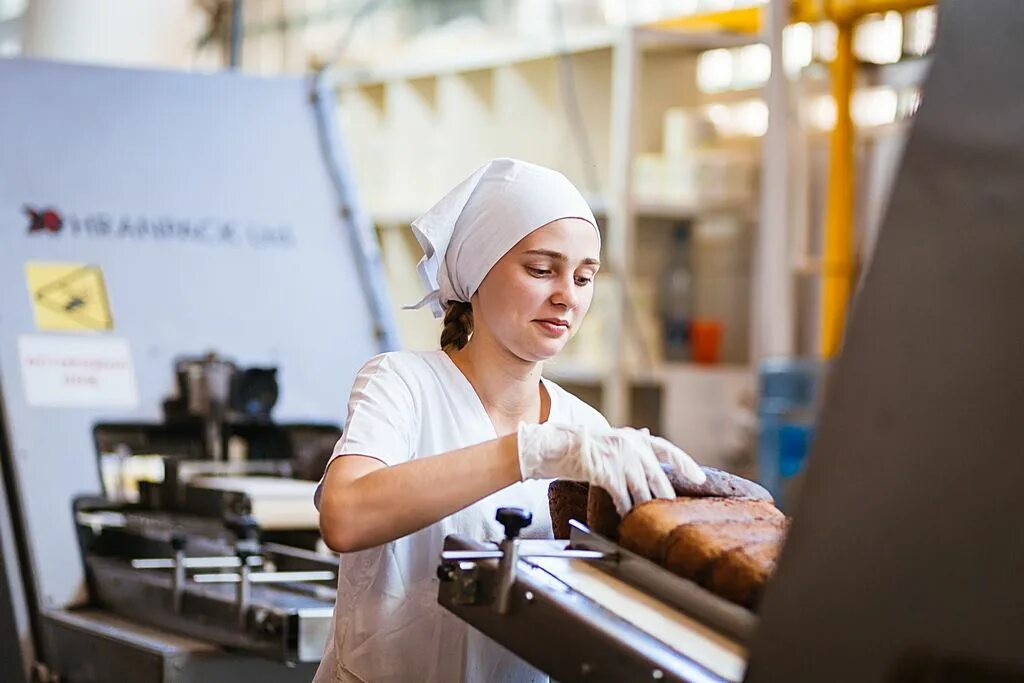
435 442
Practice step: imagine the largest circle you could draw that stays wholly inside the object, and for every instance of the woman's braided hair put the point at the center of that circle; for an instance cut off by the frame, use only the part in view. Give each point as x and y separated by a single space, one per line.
458 324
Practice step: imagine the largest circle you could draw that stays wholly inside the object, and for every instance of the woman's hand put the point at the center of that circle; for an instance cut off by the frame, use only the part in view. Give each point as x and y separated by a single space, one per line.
626 462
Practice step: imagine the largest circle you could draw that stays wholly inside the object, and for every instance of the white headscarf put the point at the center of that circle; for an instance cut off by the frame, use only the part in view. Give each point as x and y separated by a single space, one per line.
484 216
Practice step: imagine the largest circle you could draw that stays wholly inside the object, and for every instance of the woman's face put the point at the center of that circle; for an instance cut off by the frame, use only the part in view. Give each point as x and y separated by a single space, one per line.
535 298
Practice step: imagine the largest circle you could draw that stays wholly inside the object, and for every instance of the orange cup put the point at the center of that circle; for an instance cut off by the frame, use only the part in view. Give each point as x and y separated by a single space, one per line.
706 340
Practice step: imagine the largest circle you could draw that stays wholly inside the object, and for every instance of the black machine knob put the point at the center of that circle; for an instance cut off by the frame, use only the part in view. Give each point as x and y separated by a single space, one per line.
178 541
514 520
244 527
244 551
247 531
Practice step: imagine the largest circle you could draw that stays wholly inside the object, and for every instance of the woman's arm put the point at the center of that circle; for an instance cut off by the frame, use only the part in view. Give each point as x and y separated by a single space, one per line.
366 503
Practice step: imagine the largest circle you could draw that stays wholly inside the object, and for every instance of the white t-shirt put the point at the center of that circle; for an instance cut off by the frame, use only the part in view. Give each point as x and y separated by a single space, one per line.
387 623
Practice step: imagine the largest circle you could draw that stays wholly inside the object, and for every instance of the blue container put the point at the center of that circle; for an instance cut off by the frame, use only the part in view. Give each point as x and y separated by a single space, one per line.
787 412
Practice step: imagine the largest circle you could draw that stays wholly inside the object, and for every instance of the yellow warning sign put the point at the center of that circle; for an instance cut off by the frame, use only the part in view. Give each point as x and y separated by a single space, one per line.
68 296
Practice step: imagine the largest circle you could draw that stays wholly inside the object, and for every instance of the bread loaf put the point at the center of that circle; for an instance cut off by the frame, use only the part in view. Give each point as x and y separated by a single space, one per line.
692 549
740 573
724 534
603 519
646 529
566 500
727 545
719 484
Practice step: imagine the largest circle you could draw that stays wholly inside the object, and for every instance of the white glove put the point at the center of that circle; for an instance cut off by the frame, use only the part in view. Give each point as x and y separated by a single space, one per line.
625 462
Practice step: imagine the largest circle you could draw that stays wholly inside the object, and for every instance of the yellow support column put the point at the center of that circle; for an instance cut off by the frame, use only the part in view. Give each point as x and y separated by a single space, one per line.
837 269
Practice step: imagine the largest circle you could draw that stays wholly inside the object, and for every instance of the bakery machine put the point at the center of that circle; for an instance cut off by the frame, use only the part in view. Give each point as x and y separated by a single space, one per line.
620 614
903 558
184 312
592 610
204 527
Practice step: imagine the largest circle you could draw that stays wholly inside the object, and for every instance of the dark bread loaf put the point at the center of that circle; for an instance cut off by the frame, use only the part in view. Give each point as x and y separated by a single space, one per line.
566 500
602 517
718 484
647 527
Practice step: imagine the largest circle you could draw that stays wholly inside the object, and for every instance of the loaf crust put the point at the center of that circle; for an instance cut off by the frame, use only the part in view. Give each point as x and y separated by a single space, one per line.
646 529
693 549
724 534
566 500
603 519
741 573
719 484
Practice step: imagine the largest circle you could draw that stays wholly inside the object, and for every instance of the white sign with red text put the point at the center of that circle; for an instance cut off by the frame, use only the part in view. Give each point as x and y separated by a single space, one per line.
77 372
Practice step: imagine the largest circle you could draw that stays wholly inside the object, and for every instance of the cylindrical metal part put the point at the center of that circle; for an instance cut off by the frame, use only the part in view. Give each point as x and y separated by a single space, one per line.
217 562
178 571
178 582
506 575
268 577
476 555
242 592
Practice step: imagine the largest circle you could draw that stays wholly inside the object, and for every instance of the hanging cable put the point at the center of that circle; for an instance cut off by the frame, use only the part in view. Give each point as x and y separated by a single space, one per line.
571 103
336 159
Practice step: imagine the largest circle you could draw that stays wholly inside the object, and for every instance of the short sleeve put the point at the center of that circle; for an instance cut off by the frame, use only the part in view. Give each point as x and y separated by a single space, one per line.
573 410
381 418
591 417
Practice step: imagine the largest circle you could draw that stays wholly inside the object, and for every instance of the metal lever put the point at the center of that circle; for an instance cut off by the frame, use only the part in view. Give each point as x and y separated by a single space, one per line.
244 527
460 566
246 530
474 555
514 520
178 541
214 562
267 577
